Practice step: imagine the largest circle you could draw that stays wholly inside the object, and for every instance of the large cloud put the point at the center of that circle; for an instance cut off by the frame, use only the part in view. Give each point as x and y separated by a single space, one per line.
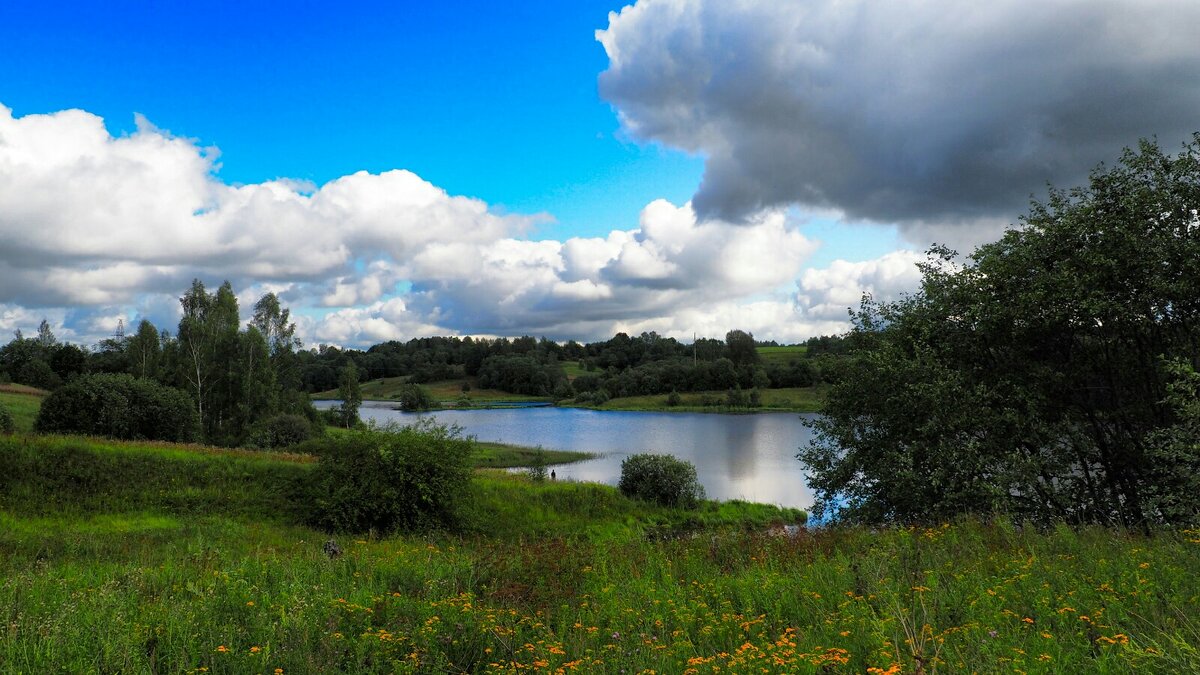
96 229
829 292
923 113
87 218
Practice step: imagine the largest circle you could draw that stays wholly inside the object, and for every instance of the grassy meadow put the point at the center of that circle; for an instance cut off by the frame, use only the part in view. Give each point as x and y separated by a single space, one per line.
781 355
793 399
23 402
506 456
139 557
151 557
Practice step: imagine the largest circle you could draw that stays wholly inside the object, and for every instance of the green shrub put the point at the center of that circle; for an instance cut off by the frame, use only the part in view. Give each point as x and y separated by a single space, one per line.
119 406
7 426
389 478
280 431
38 373
414 397
662 479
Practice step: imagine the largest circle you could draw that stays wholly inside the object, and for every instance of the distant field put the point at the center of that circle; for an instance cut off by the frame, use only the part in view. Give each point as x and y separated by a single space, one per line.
797 399
385 389
23 402
572 369
781 355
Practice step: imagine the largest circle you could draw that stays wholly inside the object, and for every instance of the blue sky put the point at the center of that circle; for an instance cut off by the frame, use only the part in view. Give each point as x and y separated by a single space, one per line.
486 99
694 166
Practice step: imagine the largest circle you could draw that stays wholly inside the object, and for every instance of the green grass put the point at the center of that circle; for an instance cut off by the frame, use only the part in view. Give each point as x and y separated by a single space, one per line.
446 391
781 355
118 573
795 399
508 456
22 403
504 455
572 369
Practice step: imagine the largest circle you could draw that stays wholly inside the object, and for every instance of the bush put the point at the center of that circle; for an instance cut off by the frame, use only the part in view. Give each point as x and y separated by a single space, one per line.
280 431
37 373
389 478
7 426
119 406
673 398
663 479
414 397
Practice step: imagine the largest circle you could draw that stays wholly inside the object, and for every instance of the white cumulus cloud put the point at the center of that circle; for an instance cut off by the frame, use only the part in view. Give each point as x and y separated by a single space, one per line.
96 228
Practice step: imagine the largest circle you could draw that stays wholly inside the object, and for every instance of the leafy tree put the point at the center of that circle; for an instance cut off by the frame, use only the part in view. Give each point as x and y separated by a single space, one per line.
45 337
274 322
144 350
662 479
351 394
38 373
119 406
1174 452
1030 378
741 348
67 361
18 352
280 431
390 478
413 396
198 336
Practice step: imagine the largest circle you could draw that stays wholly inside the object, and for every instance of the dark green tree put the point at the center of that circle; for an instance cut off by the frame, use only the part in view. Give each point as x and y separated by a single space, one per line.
350 393
1029 379
144 350
740 347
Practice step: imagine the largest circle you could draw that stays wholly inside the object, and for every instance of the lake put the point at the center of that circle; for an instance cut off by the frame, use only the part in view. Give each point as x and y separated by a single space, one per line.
750 457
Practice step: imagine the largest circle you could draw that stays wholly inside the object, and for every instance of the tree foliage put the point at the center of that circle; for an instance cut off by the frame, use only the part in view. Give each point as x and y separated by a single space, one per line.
390 478
350 392
119 406
413 396
662 479
1030 379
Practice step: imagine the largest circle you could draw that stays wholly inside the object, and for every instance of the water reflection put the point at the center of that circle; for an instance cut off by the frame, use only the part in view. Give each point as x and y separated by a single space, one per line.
749 457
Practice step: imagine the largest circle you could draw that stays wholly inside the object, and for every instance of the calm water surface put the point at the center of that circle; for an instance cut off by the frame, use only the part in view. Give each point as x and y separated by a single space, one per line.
751 457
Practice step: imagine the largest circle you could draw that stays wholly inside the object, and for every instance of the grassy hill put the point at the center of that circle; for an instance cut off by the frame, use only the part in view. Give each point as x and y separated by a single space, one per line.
781 355
23 402
135 557
794 399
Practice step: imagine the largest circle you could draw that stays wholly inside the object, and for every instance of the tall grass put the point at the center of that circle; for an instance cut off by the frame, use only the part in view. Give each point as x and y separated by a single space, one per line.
120 575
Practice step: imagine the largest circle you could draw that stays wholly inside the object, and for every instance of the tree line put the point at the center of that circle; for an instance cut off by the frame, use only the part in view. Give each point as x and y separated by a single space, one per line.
623 365
236 377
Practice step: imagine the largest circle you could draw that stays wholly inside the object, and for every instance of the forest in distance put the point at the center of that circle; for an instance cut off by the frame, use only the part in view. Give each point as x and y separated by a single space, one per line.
266 370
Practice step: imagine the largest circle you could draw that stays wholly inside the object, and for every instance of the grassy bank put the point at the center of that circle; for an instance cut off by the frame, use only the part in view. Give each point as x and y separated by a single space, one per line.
795 399
132 558
505 456
508 456
23 402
